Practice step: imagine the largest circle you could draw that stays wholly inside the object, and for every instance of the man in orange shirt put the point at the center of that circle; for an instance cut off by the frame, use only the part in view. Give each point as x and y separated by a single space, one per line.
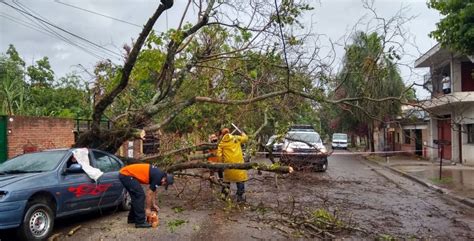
131 177
214 159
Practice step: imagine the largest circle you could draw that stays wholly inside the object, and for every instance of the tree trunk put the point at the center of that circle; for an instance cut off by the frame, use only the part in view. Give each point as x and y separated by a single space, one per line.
371 137
242 166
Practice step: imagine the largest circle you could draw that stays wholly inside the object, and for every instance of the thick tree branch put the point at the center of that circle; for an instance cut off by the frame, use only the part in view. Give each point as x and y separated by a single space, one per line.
240 102
166 73
200 147
107 100
202 99
241 166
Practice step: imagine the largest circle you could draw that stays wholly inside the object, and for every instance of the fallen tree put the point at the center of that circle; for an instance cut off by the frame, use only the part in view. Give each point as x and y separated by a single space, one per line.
179 165
189 161
181 151
243 166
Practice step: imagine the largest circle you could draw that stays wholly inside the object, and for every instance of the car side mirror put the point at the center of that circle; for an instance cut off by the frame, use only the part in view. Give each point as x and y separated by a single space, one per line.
74 168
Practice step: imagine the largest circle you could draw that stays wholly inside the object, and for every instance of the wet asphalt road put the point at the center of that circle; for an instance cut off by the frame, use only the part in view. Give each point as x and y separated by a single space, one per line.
368 196
383 201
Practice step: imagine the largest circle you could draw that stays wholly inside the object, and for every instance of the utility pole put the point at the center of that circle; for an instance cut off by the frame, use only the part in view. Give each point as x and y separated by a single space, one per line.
440 161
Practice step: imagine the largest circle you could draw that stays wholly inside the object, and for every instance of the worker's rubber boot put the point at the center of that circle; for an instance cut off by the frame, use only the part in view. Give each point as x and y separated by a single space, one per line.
142 225
241 199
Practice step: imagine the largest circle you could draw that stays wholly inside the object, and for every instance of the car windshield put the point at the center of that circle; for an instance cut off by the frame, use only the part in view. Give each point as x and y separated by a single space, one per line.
339 137
33 162
307 137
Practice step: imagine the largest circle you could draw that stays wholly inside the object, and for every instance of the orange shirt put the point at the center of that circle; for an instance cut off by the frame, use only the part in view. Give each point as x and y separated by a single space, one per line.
213 158
139 171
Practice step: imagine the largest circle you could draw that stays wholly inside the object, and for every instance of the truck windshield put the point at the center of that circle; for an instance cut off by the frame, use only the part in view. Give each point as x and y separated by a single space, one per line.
339 137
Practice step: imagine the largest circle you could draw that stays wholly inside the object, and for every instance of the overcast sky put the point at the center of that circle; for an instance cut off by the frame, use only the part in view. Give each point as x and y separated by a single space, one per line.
333 18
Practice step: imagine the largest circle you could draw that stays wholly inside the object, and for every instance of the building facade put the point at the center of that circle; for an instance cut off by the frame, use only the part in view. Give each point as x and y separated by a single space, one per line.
451 104
408 133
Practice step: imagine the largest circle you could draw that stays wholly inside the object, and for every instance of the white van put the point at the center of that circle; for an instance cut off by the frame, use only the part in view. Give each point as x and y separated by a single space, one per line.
339 140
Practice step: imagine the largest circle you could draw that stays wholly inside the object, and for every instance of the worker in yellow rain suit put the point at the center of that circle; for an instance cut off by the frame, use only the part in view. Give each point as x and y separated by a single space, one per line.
229 150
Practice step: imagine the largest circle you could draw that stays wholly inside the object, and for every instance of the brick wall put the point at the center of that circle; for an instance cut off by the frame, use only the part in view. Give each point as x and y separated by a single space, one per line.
135 149
26 134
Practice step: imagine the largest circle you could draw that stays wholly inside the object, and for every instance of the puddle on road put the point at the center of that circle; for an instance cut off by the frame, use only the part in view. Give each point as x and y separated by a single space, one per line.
457 180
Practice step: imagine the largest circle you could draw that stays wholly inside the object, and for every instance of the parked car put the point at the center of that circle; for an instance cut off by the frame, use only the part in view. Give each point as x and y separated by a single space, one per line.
274 145
339 140
304 148
36 188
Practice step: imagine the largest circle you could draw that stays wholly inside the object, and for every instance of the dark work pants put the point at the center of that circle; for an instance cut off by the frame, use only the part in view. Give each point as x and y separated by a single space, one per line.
240 188
137 212
220 173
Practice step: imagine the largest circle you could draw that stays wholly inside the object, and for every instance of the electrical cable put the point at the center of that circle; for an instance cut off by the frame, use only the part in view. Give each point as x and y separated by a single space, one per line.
51 31
47 32
64 30
25 24
97 13
46 28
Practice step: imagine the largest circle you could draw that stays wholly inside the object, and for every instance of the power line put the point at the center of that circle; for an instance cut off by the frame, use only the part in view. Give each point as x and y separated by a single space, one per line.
25 24
30 26
66 31
97 13
48 30
45 29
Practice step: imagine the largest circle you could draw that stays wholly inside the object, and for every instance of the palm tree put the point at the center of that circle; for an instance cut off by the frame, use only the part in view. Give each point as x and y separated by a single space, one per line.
369 71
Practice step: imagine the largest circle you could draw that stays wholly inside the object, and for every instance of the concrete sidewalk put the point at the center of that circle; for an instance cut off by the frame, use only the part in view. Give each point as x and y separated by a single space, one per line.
457 181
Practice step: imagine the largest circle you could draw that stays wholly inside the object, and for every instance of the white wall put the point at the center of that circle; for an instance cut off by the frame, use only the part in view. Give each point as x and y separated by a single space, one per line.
433 134
467 115
468 154
455 154
467 149
456 75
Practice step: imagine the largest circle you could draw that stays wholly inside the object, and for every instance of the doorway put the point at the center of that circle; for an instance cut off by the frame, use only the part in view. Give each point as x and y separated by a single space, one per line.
418 143
444 134
3 139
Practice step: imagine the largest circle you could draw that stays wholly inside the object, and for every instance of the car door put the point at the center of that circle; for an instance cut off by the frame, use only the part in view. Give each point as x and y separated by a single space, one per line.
75 190
110 186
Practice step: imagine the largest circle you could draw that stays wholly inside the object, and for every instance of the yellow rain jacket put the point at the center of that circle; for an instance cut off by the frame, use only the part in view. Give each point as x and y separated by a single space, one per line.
229 151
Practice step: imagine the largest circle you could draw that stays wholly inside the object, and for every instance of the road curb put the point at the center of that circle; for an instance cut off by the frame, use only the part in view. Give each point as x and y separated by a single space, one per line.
467 201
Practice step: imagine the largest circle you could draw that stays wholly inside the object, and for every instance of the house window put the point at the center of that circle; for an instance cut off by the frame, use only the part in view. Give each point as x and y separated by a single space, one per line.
398 137
470 133
407 136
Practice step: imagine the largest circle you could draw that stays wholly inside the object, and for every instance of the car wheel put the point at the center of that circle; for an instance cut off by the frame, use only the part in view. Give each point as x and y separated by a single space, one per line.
37 223
126 203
